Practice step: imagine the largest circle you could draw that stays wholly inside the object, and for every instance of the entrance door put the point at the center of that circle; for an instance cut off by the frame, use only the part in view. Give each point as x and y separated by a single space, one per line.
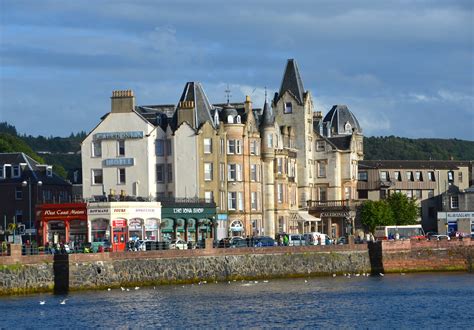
120 240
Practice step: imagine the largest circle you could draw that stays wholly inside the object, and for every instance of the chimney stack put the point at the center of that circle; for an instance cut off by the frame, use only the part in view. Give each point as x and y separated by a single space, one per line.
123 101
248 104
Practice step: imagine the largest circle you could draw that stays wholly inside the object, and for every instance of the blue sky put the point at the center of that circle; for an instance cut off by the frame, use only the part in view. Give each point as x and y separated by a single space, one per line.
404 68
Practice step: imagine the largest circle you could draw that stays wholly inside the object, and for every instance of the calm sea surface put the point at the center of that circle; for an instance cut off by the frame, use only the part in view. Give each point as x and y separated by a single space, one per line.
393 301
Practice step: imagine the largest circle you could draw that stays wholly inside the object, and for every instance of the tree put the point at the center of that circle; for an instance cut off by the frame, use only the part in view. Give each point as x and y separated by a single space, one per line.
376 213
404 209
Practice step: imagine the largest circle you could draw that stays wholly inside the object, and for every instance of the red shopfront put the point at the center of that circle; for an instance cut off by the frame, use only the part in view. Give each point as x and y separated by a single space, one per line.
62 223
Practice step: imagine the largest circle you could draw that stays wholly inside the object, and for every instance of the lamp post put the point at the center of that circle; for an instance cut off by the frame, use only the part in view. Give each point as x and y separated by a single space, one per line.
24 184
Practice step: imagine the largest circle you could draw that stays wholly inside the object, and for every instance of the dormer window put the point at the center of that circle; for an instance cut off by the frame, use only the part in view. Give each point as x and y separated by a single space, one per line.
49 171
230 119
237 119
16 172
216 118
348 127
2 172
288 107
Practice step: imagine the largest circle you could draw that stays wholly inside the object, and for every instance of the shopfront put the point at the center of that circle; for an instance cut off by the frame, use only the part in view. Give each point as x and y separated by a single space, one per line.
62 223
120 222
188 221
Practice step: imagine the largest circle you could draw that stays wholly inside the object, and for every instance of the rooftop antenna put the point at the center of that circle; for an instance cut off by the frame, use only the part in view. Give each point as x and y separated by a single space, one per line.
228 95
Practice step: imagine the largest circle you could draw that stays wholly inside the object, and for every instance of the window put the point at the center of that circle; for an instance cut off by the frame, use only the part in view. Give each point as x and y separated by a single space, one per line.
121 148
270 140
409 193
97 176
16 171
222 200
169 172
254 147
430 193
208 172
222 147
320 145
418 194
450 176
454 202
418 176
160 173
280 193
279 165
121 176
431 176
384 176
160 148
232 200
207 146
383 194
398 176
169 149
363 194
222 172
238 147
322 193
253 172
322 169
234 172
253 200
460 177
2 172
49 171
347 193
240 201
230 147
409 175
18 193
209 196
363 176
96 148
288 107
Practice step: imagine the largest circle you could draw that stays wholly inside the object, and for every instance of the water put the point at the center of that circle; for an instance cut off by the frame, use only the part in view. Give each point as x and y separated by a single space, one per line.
393 301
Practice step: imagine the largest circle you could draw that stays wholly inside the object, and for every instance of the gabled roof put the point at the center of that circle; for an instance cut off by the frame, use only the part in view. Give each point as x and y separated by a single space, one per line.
292 82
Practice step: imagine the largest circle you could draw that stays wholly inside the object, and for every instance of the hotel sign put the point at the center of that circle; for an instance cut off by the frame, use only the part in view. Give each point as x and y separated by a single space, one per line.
118 135
119 162
335 214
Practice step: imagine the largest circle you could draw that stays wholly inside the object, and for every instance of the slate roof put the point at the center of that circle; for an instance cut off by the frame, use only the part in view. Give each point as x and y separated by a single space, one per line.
268 119
341 142
414 164
336 119
292 82
193 91
33 170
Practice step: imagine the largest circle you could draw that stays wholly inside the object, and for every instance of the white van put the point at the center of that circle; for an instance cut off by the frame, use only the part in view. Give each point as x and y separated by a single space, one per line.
313 238
296 240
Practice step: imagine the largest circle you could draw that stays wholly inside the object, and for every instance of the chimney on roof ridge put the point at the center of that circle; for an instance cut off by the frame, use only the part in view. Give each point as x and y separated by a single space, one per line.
248 104
317 115
123 101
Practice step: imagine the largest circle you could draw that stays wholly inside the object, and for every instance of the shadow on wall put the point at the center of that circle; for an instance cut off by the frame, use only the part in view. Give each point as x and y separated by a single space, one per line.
375 256
61 273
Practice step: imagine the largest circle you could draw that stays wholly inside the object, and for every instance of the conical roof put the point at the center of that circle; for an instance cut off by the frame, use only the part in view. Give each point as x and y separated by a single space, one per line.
268 119
292 81
341 121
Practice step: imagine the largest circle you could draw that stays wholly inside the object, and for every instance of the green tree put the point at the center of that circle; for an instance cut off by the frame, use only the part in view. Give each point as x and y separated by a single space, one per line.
376 213
404 209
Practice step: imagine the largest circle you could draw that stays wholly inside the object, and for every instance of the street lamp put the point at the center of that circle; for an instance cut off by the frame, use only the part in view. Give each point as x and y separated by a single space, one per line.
28 183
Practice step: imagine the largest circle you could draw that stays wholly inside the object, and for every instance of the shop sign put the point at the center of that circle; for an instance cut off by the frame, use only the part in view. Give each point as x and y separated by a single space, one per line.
454 216
98 211
119 223
335 214
64 213
146 210
222 216
134 224
118 135
119 162
188 210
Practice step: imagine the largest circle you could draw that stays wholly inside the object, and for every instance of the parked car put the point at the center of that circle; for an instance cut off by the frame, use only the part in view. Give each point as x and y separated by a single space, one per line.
342 240
315 238
296 240
178 244
224 243
262 241
238 242
440 238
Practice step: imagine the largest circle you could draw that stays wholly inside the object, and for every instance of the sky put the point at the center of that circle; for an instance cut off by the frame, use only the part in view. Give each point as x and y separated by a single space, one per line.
404 68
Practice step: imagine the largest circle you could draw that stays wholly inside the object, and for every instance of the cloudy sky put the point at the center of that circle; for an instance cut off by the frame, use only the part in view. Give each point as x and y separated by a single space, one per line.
403 67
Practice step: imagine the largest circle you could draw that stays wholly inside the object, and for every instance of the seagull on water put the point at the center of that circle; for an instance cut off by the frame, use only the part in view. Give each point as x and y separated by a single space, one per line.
382 274
137 287
63 302
333 275
109 289
42 302
123 289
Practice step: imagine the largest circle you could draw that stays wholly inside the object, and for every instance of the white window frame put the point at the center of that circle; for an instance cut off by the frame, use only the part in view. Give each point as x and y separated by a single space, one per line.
288 107
120 147
209 196
240 201
208 172
2 172
254 200
160 148
16 171
253 173
119 176
322 169
96 148
232 200
454 202
207 146
18 193
230 147
93 171
49 171
238 147
280 193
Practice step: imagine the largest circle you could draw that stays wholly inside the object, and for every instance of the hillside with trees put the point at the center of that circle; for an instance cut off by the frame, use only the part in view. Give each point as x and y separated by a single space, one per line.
398 148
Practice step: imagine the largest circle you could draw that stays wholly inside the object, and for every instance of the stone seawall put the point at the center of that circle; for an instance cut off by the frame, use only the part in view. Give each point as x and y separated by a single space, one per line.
22 274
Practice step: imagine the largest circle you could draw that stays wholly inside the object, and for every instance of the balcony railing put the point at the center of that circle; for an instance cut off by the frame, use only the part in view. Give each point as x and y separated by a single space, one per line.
341 203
